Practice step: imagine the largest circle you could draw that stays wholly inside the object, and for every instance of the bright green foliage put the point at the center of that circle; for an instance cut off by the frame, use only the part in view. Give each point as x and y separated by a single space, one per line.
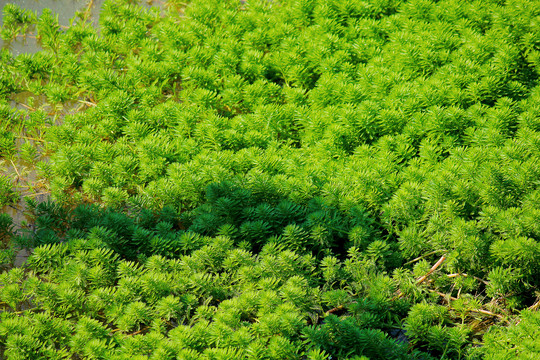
344 338
372 139
520 341
424 324
15 20
8 117
218 300
7 194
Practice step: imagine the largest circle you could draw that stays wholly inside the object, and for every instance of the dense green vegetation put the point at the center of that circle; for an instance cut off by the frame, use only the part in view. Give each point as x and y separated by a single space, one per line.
299 179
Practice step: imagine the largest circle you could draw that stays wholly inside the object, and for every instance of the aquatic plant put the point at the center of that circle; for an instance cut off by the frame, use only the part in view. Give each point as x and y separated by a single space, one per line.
389 148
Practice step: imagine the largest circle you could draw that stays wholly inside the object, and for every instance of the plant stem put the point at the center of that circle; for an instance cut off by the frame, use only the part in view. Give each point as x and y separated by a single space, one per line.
423 256
433 268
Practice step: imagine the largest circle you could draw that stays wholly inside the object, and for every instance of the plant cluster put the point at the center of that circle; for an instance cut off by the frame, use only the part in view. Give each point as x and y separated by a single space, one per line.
277 179
220 302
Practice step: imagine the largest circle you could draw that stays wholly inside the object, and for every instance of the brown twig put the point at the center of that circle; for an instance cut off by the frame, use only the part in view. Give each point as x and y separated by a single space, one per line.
28 107
485 312
27 36
139 331
424 277
86 13
480 311
336 309
535 305
31 138
422 257
446 296
14 167
87 103
431 271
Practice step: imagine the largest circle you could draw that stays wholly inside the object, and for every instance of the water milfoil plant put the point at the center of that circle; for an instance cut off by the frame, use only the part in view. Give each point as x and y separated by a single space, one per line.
263 179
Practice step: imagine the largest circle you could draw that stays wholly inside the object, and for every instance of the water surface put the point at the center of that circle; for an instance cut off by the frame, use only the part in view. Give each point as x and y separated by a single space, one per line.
65 9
